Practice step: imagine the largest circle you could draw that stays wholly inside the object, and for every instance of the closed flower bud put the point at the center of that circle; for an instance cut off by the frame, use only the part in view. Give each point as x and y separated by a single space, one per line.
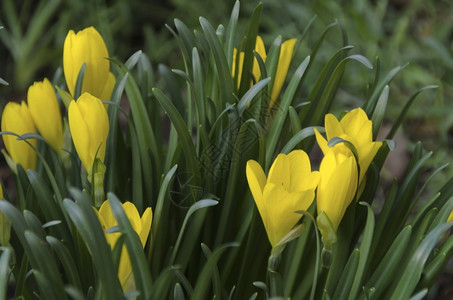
16 118
337 186
89 126
87 46
45 111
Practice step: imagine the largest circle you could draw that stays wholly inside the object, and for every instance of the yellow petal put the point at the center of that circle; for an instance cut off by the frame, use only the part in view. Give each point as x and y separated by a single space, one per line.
87 46
301 177
80 136
257 180
337 186
333 127
45 111
279 173
146 221
282 207
356 123
89 126
133 216
367 152
240 61
450 217
322 142
108 88
284 61
16 118
261 50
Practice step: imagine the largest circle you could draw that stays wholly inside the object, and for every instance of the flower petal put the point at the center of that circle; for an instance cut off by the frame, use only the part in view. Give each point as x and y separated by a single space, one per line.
284 61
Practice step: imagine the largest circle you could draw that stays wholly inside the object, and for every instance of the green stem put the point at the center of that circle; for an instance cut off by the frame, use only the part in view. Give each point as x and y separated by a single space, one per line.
275 280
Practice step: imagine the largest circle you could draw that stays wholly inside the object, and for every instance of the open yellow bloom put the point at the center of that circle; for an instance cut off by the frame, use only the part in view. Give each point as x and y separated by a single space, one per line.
44 109
16 118
356 128
141 225
87 46
289 187
89 126
284 60
337 186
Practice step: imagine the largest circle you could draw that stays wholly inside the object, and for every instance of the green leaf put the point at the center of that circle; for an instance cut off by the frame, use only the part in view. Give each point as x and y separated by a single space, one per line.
299 137
142 123
364 250
248 51
140 267
84 218
370 104
250 94
184 136
382 275
379 112
193 208
178 293
224 73
231 32
347 278
4 271
280 115
403 113
414 269
205 275
46 264
67 261
133 59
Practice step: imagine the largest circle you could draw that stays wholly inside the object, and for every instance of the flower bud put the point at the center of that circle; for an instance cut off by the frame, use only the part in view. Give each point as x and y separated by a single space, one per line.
16 118
89 126
44 109
87 46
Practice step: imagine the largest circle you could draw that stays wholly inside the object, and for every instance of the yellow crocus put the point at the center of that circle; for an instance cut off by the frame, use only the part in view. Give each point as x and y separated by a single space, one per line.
45 111
289 187
87 46
89 127
141 225
284 60
337 187
16 118
356 128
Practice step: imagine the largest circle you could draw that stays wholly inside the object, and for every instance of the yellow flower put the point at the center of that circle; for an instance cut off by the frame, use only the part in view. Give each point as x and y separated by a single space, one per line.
284 60
87 46
450 217
141 226
16 118
337 186
289 187
45 111
1 192
356 128
89 126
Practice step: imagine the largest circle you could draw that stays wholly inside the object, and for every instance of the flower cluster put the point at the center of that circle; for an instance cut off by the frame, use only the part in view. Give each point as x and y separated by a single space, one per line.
290 186
88 120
